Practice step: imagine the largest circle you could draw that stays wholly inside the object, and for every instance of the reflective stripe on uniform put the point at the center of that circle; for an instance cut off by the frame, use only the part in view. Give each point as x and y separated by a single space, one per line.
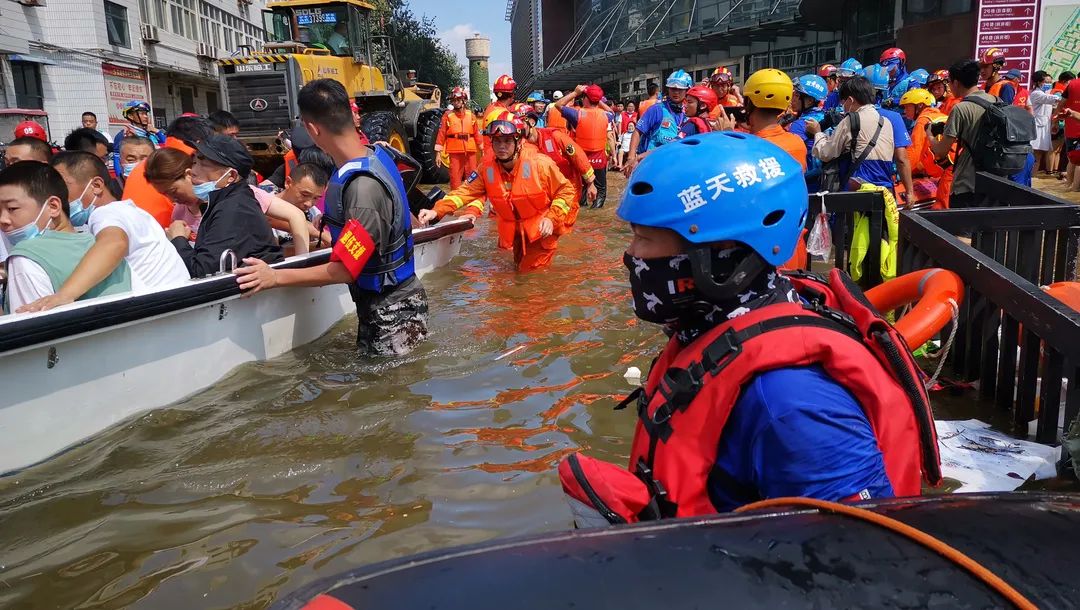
562 205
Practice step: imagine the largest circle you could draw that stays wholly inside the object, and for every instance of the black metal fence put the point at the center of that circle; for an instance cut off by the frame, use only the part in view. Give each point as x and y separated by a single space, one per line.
842 208
1012 336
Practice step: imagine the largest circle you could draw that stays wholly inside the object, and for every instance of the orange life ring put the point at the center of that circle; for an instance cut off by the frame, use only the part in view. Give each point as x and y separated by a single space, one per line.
1066 292
932 289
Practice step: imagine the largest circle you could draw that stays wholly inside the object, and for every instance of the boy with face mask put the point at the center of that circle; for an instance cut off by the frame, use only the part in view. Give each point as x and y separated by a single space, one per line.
122 232
232 219
45 247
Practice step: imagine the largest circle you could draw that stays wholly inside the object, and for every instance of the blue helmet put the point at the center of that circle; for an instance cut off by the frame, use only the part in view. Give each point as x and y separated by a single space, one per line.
729 187
136 105
679 79
536 96
878 75
813 86
849 68
919 77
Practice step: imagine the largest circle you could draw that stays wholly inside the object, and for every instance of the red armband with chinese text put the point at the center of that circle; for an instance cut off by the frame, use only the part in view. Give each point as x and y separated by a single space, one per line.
353 248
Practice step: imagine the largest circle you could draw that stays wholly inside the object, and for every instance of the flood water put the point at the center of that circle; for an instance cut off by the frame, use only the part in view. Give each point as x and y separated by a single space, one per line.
317 462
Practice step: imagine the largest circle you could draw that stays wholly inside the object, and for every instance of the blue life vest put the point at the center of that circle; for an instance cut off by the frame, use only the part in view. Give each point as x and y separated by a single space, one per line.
395 265
668 128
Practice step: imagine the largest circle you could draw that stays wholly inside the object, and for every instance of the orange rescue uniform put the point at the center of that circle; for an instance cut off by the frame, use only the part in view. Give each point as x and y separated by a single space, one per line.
459 136
534 190
922 157
790 142
572 162
145 196
555 119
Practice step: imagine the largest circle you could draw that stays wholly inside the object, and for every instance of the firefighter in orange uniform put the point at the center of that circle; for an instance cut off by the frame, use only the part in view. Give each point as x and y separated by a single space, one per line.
560 147
459 137
591 132
504 98
532 201
918 105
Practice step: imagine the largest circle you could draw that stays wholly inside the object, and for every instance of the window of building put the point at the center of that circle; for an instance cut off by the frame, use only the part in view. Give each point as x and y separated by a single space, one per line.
27 78
923 10
159 13
212 101
187 99
183 19
116 24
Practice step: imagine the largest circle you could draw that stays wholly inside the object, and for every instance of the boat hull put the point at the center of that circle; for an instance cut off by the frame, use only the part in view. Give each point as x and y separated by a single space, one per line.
777 559
62 391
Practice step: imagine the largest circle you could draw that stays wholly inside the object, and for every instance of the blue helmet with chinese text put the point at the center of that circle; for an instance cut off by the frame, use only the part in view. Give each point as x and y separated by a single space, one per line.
813 86
721 186
679 79
849 68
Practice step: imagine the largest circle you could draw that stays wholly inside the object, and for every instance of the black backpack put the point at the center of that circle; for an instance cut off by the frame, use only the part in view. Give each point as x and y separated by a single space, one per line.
832 178
1003 137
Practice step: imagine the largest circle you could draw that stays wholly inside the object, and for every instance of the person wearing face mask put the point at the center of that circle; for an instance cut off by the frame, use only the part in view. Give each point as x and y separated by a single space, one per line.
233 219
863 140
45 248
1043 102
770 385
122 232
132 151
533 202
184 134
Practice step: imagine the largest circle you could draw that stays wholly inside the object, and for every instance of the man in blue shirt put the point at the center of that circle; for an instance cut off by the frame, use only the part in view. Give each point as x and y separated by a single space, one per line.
660 123
810 91
879 77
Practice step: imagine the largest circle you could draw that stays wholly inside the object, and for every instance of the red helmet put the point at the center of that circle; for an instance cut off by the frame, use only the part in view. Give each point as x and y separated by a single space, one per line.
31 129
720 75
827 71
458 93
526 111
992 56
939 76
505 84
704 95
893 53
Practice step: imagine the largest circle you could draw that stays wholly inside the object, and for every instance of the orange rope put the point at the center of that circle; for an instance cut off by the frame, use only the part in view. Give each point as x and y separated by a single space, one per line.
975 568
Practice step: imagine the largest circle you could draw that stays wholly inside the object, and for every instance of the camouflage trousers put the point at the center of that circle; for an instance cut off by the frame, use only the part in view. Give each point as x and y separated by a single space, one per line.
391 326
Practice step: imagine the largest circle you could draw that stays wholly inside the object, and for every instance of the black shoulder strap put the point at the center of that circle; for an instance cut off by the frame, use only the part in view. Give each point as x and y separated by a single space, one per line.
857 161
855 126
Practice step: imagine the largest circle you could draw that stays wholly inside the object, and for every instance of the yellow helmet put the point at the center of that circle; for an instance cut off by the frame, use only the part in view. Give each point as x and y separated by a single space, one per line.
917 96
769 88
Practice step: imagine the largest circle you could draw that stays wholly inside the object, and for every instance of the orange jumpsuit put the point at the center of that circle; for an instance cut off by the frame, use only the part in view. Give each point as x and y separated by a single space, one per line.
571 160
534 190
459 137
923 167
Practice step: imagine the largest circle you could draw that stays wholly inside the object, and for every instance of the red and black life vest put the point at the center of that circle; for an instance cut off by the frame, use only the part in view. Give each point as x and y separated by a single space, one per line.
691 390
701 124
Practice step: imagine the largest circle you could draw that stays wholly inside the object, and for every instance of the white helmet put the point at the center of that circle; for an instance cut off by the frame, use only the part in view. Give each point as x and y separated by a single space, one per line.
556 96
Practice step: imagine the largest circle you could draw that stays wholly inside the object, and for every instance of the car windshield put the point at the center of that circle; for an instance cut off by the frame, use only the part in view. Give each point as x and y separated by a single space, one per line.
316 27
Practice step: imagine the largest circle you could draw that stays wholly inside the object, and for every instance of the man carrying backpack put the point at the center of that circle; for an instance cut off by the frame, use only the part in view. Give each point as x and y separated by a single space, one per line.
994 136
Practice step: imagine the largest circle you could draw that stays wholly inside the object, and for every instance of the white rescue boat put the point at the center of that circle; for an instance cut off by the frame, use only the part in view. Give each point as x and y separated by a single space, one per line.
70 373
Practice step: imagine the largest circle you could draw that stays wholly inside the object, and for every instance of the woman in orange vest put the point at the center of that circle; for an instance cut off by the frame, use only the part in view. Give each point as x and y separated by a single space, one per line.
459 137
918 105
592 132
532 201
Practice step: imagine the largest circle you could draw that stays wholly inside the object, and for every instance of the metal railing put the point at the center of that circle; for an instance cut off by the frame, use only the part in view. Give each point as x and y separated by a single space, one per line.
842 208
1017 340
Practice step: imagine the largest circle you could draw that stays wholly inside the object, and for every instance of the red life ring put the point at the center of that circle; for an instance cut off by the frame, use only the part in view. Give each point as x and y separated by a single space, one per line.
1066 292
932 289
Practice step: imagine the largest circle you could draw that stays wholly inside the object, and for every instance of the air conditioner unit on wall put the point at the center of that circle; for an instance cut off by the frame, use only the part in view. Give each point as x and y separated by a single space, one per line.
206 50
150 33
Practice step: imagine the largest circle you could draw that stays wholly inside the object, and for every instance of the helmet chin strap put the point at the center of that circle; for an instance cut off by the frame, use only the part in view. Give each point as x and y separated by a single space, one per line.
701 264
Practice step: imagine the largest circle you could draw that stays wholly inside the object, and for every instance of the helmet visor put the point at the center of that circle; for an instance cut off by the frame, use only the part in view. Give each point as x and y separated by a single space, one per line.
501 128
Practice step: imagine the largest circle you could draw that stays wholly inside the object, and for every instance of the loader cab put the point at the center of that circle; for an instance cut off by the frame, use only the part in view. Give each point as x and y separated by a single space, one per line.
318 27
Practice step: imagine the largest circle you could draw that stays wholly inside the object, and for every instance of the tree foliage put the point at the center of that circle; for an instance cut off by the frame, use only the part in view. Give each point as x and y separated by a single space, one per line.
417 45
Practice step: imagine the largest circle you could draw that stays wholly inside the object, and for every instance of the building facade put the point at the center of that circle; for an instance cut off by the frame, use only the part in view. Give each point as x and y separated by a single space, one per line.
71 56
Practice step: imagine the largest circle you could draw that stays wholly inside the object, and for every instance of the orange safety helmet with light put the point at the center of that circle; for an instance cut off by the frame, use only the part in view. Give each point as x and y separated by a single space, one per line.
938 76
31 129
505 84
992 56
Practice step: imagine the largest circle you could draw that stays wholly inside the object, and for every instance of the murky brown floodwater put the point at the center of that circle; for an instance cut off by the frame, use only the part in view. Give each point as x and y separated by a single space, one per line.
316 462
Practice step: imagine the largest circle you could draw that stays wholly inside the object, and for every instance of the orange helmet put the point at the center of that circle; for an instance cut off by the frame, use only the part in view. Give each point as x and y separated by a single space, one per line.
704 95
505 84
720 75
827 71
458 93
939 76
992 56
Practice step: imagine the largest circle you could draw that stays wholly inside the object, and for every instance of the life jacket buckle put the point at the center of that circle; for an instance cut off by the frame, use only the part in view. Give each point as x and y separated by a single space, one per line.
833 314
659 505
721 352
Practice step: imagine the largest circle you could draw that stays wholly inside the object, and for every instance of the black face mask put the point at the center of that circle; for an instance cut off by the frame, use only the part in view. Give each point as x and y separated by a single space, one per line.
664 292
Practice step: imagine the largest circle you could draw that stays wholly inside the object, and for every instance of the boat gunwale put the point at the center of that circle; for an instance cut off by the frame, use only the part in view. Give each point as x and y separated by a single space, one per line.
25 332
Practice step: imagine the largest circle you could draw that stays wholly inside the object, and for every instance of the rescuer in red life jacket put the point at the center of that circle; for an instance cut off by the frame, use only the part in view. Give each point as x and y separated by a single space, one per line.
770 385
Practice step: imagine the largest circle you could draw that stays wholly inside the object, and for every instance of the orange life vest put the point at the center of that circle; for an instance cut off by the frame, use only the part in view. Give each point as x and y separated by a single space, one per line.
995 89
591 132
460 132
555 119
548 145
519 199
290 162
691 390
645 106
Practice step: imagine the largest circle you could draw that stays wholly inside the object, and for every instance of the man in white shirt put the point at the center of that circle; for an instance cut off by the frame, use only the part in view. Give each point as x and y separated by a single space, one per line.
122 232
